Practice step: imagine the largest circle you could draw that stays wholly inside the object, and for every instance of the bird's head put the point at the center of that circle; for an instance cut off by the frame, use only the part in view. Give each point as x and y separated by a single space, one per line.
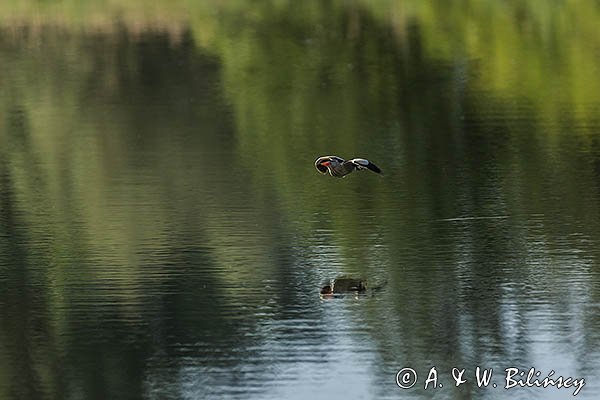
322 164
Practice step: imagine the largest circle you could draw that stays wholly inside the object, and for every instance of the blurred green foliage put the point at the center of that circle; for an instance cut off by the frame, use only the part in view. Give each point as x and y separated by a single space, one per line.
545 52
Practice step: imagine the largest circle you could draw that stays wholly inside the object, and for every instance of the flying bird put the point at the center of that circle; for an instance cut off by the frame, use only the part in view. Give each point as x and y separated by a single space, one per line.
339 167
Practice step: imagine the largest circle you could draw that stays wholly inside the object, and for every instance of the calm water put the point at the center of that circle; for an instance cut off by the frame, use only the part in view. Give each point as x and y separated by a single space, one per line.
164 234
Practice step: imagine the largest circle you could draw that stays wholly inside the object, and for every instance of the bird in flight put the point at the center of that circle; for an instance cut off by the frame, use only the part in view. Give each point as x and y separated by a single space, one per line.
339 167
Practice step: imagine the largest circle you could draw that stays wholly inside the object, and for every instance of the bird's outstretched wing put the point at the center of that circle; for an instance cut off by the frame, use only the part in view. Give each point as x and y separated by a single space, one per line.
361 163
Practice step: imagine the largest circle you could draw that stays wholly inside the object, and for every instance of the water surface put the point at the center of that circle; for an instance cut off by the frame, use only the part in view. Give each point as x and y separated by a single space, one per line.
164 234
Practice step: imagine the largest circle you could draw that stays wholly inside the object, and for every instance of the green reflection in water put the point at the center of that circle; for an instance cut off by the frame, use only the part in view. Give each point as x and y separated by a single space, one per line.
156 176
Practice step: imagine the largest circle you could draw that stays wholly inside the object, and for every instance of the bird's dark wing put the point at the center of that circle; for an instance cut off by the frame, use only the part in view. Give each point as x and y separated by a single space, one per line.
374 168
361 163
